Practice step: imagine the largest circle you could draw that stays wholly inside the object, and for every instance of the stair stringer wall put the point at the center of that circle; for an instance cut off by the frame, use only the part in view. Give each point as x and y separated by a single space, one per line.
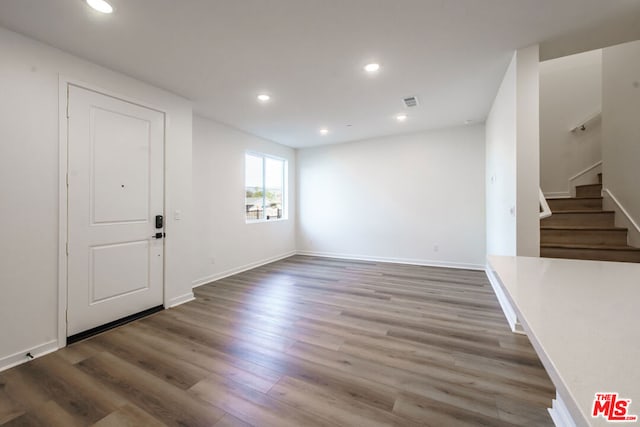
622 217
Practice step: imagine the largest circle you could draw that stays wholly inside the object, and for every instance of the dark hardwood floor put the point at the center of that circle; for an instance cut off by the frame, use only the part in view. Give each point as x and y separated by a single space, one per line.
300 342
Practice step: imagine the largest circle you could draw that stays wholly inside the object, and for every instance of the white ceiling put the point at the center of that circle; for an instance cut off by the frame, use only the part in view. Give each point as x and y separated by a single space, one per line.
309 54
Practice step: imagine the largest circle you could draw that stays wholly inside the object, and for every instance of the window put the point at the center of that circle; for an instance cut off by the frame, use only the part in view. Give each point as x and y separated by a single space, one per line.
265 191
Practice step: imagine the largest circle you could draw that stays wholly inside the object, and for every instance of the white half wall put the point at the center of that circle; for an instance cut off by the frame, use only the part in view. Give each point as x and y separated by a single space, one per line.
224 243
512 155
29 172
570 93
621 131
415 198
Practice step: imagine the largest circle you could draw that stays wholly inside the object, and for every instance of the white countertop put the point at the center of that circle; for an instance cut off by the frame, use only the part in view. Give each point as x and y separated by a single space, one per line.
583 319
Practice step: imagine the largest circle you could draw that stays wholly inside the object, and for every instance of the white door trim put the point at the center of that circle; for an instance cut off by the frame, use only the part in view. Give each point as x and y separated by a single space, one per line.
63 83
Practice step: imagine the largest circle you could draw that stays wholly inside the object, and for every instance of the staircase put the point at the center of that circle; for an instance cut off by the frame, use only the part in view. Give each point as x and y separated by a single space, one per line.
580 229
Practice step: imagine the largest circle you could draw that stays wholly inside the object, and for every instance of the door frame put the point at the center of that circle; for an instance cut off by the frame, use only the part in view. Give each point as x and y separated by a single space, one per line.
64 83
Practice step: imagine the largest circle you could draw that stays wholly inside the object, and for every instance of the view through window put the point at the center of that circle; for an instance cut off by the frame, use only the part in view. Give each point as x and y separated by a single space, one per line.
264 187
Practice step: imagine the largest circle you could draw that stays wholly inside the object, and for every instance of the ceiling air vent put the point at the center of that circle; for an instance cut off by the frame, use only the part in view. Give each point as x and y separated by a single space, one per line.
410 101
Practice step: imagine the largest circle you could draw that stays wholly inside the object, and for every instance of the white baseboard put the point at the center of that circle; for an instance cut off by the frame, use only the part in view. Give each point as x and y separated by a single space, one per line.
560 413
585 177
236 270
426 263
505 304
623 218
180 300
20 357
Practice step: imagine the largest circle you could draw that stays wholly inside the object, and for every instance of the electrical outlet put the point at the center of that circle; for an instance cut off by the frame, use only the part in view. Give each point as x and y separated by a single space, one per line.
436 248
213 260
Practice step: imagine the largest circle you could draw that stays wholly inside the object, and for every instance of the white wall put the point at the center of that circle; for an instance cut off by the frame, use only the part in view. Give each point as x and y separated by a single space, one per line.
528 151
396 198
610 32
501 168
621 131
223 242
29 172
570 93
512 153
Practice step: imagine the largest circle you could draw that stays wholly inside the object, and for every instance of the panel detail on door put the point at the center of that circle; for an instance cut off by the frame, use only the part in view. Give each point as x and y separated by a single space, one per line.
120 167
115 191
118 269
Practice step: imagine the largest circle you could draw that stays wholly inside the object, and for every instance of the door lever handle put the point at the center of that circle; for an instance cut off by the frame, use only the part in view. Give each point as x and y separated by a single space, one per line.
159 235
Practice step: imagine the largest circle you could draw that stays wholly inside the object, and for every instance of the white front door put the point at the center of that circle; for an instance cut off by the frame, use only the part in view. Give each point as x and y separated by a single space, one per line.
115 191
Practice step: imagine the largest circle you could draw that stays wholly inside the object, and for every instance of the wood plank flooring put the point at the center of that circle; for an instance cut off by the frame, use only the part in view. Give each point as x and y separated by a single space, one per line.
301 342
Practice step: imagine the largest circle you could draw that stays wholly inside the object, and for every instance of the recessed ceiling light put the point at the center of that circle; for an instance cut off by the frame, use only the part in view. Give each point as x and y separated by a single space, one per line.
263 97
372 68
100 5
324 131
402 117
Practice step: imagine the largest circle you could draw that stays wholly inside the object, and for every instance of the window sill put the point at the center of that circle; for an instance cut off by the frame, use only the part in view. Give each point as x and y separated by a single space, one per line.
261 221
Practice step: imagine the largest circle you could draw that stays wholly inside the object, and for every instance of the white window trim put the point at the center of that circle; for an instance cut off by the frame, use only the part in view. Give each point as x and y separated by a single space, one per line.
285 186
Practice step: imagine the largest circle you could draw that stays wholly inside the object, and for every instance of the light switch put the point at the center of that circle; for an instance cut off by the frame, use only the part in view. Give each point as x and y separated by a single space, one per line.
177 215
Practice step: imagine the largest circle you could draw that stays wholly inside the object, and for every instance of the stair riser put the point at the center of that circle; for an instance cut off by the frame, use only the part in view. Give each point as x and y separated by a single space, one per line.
558 205
589 191
584 237
590 254
596 219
